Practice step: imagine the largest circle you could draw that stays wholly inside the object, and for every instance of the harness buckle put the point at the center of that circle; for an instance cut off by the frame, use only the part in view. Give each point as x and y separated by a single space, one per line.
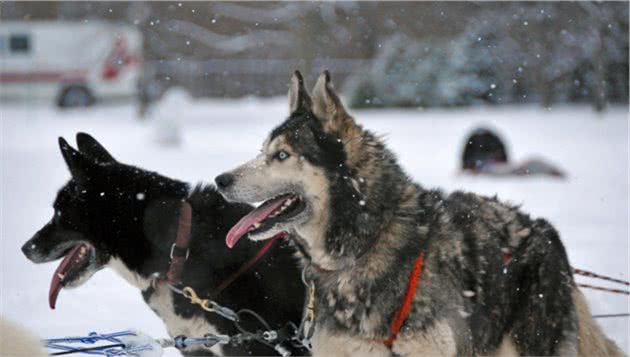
270 335
174 246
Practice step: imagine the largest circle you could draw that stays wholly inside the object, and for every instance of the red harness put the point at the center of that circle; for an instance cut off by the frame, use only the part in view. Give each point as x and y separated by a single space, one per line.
180 252
403 311
250 263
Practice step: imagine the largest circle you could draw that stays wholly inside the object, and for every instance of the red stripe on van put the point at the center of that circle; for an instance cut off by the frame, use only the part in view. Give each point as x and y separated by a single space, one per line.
20 77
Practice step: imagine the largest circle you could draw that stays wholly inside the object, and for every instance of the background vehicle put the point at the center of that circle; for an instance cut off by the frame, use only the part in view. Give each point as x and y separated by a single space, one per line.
73 63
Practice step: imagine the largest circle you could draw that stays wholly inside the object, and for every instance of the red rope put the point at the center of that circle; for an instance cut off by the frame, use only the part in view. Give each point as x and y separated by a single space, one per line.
245 267
402 313
590 274
615 291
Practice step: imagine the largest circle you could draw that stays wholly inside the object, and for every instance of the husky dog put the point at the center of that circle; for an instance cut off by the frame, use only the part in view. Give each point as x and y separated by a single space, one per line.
115 215
488 278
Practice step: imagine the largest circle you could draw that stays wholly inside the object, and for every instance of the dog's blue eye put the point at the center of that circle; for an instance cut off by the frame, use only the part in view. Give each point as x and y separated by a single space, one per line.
281 155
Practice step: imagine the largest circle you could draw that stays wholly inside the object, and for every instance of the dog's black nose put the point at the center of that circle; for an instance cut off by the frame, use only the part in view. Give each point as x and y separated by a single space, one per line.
224 181
28 248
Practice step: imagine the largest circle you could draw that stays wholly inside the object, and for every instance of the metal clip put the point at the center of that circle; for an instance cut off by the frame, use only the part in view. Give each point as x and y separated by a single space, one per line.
306 343
310 307
225 312
307 326
173 251
241 338
180 342
205 304
282 351
212 340
270 335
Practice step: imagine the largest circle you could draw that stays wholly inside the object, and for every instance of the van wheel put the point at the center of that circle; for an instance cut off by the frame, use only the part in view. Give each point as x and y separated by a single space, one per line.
75 96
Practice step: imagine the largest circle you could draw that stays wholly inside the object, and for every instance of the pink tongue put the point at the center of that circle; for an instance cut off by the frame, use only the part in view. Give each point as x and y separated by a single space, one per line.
60 273
255 216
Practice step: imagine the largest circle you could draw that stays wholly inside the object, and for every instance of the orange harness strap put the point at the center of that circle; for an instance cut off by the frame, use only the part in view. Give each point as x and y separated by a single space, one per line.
401 314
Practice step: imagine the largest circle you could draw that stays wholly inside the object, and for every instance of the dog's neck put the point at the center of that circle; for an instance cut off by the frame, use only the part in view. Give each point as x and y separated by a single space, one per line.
132 277
344 297
153 244
212 217
366 205
375 246
136 277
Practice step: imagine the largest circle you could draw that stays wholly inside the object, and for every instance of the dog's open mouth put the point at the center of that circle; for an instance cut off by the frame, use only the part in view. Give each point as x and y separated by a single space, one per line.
265 216
75 261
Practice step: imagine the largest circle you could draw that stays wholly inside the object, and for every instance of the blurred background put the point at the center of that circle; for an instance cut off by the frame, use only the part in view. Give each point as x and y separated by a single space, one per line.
383 54
525 100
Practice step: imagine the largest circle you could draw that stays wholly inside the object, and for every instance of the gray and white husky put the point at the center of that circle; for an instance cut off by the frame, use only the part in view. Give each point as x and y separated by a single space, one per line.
492 280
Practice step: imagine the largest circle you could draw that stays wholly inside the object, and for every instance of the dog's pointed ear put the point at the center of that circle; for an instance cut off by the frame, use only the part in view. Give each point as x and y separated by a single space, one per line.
299 99
92 148
335 120
78 164
327 106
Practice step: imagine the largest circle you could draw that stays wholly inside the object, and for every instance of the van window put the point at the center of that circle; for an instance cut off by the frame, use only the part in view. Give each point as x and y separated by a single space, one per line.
19 43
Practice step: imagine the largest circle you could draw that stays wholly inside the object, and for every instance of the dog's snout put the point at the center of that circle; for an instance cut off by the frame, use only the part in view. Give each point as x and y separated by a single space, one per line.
28 248
224 180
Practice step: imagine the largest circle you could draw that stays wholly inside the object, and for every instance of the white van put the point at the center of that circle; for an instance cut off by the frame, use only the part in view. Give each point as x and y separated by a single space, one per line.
73 63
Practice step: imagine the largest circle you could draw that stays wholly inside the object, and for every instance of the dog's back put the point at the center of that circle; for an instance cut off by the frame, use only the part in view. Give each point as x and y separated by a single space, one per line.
511 278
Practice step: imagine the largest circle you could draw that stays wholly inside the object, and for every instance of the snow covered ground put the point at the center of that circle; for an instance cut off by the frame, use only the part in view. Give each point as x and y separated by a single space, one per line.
590 208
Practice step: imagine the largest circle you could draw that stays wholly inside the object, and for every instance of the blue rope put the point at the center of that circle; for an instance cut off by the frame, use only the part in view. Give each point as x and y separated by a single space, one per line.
119 348
92 338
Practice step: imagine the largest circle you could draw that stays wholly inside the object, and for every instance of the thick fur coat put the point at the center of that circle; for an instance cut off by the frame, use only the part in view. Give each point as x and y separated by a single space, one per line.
495 280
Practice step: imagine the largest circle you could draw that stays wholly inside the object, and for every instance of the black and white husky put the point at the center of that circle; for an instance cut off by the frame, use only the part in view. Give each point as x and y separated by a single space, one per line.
115 215
398 268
